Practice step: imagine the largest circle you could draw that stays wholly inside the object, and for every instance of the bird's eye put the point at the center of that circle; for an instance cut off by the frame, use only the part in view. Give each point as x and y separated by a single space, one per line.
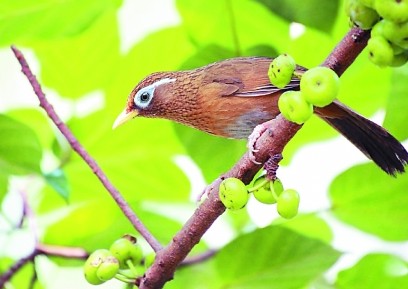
144 97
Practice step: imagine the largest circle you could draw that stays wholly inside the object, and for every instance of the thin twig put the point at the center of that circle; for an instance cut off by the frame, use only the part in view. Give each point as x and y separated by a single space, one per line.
124 206
4 278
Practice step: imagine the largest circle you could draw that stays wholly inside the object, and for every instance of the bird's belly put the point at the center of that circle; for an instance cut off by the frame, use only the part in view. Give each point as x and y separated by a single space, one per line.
243 125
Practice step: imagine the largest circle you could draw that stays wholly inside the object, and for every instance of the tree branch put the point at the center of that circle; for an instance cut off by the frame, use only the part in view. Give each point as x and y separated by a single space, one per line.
270 143
76 146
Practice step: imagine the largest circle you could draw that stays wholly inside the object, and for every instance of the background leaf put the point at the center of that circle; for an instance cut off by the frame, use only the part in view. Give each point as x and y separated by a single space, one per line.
364 193
324 12
20 150
284 259
380 271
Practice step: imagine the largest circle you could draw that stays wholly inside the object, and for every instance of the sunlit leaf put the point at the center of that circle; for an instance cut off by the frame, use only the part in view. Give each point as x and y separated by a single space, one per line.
20 150
380 271
324 12
26 21
364 193
395 119
273 257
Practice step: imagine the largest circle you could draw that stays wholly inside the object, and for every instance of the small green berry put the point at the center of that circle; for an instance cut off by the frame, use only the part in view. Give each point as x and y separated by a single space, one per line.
400 59
394 10
136 254
281 70
265 194
320 86
397 33
92 264
380 51
121 250
361 15
233 194
294 107
288 204
108 269
149 259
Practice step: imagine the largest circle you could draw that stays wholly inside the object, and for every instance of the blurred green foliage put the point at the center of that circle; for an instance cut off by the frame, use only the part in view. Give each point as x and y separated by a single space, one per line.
77 44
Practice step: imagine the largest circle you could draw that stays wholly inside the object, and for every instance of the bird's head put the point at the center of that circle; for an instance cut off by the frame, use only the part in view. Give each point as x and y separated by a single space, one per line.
148 98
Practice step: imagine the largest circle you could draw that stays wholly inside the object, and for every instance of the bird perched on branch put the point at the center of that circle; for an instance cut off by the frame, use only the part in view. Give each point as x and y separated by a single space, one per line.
231 97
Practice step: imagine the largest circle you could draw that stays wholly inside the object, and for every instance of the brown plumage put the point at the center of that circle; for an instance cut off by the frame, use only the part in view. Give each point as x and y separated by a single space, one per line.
229 98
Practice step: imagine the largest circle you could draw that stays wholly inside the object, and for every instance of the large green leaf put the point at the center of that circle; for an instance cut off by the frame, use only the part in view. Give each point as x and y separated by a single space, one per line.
214 155
396 119
58 181
97 224
26 21
324 12
82 64
3 185
273 257
379 271
231 24
20 150
367 198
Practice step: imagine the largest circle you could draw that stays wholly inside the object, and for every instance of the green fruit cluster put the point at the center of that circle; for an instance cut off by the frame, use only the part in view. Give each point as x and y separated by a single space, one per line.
272 192
122 261
388 19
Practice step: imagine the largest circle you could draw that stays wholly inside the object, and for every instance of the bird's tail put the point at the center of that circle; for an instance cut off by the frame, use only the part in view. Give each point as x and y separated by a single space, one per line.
373 140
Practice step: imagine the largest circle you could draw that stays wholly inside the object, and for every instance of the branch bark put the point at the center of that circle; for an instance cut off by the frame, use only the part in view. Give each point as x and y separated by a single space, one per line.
270 143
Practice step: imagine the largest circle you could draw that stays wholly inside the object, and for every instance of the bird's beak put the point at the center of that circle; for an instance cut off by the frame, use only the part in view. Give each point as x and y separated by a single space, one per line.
124 117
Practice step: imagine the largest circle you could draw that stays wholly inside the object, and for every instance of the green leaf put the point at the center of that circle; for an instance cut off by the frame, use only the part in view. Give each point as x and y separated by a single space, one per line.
58 181
324 12
231 24
3 185
214 155
379 271
395 120
273 257
101 223
26 21
20 149
87 61
367 198
308 225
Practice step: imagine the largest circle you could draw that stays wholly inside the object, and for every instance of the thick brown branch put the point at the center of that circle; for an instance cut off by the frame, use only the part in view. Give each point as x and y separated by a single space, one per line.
4 278
124 206
270 143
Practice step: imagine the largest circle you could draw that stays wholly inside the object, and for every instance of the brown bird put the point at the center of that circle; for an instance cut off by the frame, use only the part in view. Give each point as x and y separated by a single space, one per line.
231 97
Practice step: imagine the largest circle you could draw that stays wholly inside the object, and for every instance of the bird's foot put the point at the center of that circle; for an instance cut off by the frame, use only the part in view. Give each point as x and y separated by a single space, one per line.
272 165
253 138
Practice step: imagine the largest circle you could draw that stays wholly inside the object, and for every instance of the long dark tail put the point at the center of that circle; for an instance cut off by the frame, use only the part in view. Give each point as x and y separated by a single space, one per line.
373 140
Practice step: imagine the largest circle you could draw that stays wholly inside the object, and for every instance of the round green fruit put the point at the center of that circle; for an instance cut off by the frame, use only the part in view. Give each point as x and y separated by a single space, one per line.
380 51
92 265
320 86
400 59
108 269
266 194
368 3
136 254
294 107
233 194
378 29
149 259
288 204
394 10
121 249
281 70
361 15
397 33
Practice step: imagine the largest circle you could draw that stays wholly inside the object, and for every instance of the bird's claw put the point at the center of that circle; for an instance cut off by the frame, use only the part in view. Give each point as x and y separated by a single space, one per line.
252 139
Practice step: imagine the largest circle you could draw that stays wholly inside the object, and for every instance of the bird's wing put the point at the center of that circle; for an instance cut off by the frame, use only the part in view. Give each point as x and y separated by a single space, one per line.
266 89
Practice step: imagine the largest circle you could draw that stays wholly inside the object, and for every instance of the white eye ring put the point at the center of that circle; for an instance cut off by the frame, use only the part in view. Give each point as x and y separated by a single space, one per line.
145 96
